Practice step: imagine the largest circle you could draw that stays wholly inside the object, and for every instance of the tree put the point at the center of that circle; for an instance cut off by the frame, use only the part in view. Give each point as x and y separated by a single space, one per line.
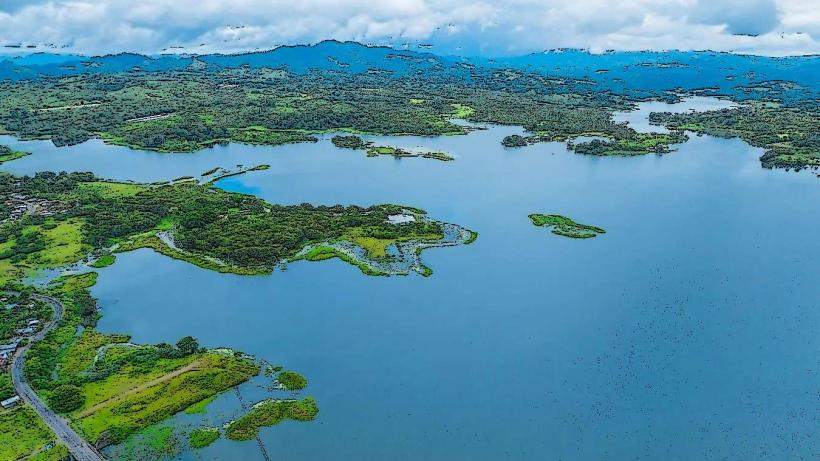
66 398
187 345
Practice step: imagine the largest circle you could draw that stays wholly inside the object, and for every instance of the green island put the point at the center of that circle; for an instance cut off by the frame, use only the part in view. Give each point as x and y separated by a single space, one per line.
111 390
638 144
355 142
292 380
7 155
561 225
269 413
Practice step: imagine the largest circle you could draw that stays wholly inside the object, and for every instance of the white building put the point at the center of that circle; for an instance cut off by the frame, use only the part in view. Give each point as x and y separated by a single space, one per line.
10 402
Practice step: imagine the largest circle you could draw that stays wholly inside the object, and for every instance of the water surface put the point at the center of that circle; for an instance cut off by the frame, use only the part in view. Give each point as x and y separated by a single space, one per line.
638 119
690 330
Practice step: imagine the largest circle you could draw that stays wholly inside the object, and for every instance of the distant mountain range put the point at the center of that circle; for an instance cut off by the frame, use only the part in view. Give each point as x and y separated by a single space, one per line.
674 69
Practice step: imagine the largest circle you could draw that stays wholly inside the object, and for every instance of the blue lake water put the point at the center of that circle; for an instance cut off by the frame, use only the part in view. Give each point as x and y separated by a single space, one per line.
690 330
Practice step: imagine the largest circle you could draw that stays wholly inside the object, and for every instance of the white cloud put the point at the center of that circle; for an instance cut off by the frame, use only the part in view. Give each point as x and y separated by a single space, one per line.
485 26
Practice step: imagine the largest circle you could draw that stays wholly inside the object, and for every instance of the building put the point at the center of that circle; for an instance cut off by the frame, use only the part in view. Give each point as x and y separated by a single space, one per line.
10 402
9 348
5 360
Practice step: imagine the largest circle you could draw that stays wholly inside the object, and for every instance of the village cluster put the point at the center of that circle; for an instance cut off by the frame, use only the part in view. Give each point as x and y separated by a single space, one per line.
9 346
19 204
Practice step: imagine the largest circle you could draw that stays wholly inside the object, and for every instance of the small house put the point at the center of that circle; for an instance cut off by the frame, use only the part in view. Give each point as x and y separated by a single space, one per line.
10 402
10 347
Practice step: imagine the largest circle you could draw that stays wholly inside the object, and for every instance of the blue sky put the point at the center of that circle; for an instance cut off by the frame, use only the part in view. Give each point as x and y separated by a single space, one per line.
500 27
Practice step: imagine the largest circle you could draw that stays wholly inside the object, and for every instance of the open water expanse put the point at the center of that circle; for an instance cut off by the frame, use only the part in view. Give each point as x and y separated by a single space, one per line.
690 330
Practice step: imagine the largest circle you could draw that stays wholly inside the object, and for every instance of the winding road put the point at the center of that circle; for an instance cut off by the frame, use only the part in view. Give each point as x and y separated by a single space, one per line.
77 446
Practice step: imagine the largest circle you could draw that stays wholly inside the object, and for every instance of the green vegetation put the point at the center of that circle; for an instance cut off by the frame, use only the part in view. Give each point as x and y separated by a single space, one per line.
109 190
462 111
514 140
65 398
6 386
269 413
55 453
355 142
789 134
186 111
472 238
215 229
200 407
201 438
7 155
197 106
292 380
123 414
104 261
322 252
349 142
22 433
561 225
154 442
639 144
111 389
33 244
262 135
23 307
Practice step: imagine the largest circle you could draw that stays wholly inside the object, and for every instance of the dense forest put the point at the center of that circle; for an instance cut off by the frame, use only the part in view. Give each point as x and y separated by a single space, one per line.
236 229
257 99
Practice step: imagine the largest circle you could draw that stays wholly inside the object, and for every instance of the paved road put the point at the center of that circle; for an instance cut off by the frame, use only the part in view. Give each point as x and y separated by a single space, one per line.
79 448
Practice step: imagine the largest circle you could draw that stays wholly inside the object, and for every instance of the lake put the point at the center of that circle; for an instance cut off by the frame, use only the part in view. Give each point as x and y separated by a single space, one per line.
690 330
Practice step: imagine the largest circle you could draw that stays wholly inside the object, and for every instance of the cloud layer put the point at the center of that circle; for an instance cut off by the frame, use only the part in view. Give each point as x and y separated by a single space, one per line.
500 27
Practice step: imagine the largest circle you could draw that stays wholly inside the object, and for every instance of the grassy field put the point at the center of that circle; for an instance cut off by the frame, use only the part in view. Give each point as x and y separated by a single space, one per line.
111 189
462 111
64 245
126 380
23 433
122 417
